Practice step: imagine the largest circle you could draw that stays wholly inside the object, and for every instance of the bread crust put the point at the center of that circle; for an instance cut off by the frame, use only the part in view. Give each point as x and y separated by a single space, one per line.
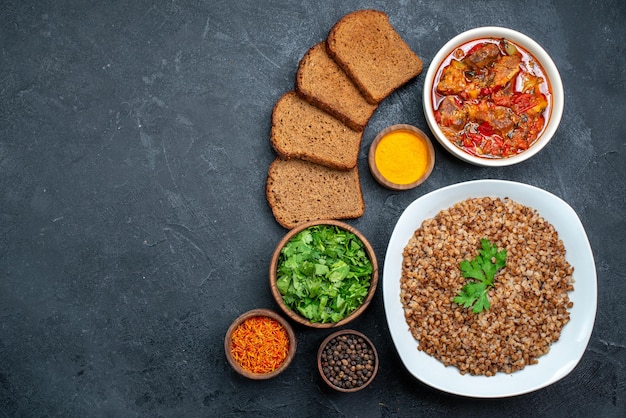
299 191
323 83
302 130
372 53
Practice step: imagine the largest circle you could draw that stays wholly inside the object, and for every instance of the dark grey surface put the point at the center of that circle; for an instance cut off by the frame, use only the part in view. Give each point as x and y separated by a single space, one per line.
134 146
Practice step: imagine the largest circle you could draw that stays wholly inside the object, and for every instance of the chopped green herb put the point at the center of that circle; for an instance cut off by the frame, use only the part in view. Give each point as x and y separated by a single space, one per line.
324 273
482 269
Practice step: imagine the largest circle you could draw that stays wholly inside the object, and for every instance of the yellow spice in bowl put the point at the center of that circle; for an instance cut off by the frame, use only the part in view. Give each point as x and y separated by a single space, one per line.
401 157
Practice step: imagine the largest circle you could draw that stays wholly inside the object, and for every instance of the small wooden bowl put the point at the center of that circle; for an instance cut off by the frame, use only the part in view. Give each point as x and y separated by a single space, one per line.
320 361
294 315
250 314
420 136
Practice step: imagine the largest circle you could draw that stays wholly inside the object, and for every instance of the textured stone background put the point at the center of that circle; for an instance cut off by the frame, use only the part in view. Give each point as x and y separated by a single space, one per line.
134 145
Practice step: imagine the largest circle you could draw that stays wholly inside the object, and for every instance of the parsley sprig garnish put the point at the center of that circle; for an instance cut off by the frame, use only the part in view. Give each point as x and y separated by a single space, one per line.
482 269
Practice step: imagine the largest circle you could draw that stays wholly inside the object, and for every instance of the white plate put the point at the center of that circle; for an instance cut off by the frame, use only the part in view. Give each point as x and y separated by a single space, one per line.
564 354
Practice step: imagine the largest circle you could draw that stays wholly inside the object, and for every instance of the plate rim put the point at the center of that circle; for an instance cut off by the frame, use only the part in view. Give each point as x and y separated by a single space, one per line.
507 384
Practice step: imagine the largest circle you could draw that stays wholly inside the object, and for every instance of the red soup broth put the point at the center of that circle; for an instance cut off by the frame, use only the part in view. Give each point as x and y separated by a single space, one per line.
491 98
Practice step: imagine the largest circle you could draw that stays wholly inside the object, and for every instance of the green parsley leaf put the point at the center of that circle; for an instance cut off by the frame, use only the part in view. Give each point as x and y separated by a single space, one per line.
324 273
482 269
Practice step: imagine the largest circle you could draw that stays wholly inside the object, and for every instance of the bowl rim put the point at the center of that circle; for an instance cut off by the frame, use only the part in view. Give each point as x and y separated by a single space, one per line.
293 343
327 340
374 167
542 57
274 264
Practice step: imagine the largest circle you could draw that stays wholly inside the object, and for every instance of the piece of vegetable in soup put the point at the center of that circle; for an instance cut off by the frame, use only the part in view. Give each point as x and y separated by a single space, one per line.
491 98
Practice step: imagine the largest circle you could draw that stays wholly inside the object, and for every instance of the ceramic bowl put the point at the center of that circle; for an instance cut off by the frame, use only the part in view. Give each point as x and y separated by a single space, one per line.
260 313
540 55
295 316
333 359
406 159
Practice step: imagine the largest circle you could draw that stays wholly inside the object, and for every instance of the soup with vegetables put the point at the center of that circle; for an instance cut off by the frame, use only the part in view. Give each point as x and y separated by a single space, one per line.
491 98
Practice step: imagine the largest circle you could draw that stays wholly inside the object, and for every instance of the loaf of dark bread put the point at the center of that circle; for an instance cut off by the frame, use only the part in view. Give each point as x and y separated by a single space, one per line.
321 82
317 128
301 130
372 53
299 191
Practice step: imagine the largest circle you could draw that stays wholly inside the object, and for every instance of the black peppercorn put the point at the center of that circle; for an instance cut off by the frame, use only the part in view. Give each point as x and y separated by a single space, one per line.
347 361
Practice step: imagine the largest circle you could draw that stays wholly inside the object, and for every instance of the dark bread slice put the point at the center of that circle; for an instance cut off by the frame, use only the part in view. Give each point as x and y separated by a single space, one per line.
321 82
301 130
299 191
372 53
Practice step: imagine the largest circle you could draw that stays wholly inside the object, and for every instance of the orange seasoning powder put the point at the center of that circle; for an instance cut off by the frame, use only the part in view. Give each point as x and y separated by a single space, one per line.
260 344
401 157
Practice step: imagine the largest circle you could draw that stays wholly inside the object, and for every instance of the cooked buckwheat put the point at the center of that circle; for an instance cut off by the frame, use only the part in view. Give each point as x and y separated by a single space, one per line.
529 300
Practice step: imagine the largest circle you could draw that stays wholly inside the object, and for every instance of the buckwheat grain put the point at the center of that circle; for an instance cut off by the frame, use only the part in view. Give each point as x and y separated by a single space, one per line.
529 301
